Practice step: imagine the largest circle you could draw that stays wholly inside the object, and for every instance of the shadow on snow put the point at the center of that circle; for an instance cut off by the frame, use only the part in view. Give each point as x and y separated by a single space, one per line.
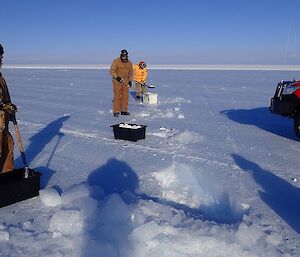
280 195
39 141
117 177
262 118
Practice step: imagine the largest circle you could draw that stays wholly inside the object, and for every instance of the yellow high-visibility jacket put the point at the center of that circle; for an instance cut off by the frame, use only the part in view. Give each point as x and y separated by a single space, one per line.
140 75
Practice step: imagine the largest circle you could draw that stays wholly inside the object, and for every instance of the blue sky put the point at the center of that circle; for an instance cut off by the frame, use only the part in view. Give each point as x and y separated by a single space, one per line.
157 31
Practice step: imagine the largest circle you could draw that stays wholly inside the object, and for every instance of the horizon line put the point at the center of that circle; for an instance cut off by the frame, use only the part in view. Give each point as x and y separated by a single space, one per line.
287 67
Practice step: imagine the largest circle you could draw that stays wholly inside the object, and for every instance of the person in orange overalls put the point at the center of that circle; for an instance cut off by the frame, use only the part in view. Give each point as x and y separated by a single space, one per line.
140 77
121 71
7 109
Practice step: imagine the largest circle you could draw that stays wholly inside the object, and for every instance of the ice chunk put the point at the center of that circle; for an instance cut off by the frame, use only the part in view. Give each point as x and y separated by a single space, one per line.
275 238
187 137
50 197
129 126
137 218
249 235
75 192
179 184
66 222
86 205
145 232
115 210
169 114
27 224
4 236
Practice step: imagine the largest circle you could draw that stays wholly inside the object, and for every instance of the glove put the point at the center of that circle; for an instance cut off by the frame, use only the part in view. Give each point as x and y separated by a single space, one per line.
129 84
119 79
9 108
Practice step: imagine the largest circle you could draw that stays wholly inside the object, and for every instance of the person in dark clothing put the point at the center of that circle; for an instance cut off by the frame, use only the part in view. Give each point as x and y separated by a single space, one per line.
7 112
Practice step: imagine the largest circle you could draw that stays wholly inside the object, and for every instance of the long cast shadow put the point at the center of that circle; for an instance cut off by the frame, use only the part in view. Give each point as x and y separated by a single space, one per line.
116 177
263 119
280 195
39 141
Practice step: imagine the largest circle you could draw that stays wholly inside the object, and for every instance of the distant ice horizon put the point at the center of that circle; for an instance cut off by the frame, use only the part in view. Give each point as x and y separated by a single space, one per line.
160 66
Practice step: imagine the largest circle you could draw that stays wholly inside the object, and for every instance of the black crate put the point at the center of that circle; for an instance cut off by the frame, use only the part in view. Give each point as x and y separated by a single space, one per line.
129 133
15 188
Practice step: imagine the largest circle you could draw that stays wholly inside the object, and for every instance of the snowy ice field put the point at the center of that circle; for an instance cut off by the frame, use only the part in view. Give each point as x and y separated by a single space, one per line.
216 176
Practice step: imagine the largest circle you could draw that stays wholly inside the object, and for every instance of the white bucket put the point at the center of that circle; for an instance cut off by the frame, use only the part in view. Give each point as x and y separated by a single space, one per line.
150 98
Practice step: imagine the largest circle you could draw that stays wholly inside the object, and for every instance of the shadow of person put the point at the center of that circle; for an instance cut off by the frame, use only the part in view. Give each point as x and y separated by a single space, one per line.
114 177
117 177
39 141
280 195
263 119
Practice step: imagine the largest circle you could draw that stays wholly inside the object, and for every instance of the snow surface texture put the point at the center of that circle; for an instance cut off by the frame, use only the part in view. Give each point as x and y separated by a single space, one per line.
216 176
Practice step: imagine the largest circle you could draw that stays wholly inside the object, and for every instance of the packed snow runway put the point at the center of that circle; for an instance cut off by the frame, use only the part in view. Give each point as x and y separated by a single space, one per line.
217 175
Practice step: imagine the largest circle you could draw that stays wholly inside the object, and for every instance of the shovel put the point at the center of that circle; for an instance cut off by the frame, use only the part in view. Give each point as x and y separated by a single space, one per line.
20 144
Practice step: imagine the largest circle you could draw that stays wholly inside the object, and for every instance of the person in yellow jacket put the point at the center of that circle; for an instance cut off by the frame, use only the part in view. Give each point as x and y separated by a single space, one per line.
7 109
140 77
121 71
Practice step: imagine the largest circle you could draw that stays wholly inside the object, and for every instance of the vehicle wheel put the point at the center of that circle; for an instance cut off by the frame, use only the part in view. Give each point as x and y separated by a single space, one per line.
297 125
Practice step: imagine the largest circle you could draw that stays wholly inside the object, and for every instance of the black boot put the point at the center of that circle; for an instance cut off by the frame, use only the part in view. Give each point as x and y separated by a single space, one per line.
125 113
116 114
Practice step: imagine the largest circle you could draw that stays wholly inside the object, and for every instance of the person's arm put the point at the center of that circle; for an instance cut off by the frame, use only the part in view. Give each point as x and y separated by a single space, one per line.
113 69
145 73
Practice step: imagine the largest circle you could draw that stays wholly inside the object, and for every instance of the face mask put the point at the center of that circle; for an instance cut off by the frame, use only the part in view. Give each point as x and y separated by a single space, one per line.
124 58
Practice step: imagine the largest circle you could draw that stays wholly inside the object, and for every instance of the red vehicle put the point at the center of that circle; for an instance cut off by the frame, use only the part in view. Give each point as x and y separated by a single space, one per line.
286 102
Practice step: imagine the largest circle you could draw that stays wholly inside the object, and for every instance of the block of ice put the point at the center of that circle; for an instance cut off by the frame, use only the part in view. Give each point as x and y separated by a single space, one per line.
75 192
115 210
66 222
179 184
249 235
187 137
129 126
275 238
4 236
50 197
86 205
145 232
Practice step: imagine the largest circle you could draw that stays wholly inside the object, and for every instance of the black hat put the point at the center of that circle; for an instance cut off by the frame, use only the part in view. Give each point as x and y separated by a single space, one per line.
124 52
1 49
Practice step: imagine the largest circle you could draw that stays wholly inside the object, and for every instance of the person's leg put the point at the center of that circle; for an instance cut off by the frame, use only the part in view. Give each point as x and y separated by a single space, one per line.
8 153
117 97
124 99
144 89
2 146
137 89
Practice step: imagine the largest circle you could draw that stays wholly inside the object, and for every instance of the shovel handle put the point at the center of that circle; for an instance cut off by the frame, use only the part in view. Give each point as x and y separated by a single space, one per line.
20 144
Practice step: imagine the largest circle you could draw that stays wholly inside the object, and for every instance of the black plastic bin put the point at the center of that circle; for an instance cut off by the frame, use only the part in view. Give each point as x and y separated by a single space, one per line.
15 188
127 133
